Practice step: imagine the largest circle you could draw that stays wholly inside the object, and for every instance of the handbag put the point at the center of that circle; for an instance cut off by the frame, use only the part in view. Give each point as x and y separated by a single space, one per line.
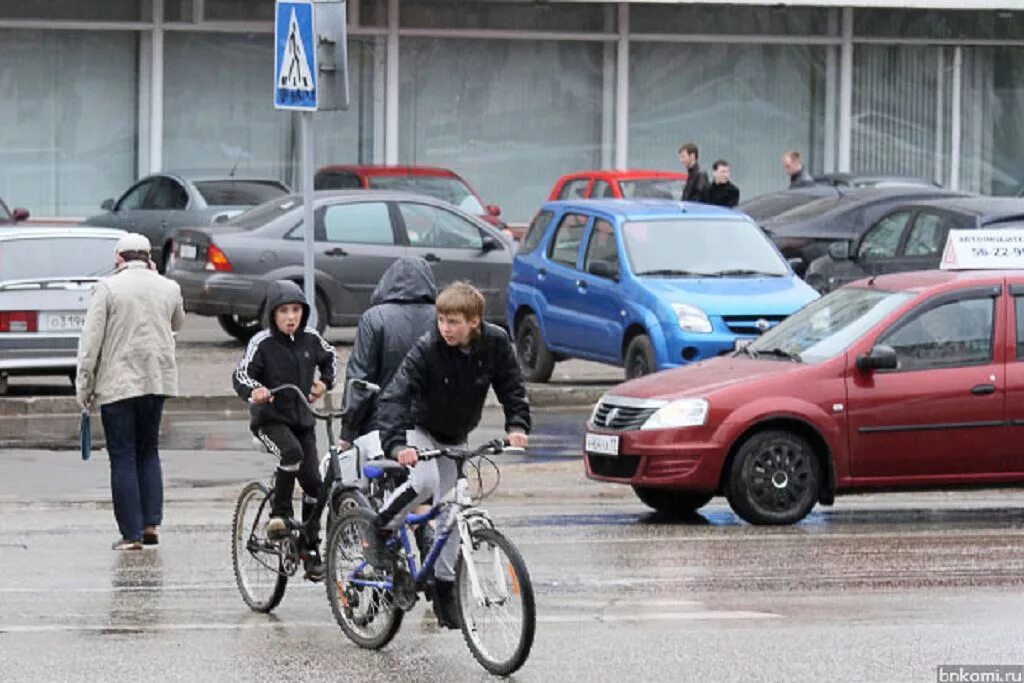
85 432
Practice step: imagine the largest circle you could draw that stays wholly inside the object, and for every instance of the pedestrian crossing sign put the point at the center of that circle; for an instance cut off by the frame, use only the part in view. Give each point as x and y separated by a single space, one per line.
295 68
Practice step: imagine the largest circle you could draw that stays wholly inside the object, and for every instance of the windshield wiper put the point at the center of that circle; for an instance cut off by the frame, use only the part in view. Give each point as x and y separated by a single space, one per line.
747 350
781 353
672 271
742 271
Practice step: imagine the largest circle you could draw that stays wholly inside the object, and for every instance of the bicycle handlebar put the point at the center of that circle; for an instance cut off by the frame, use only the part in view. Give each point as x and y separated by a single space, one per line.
305 401
494 446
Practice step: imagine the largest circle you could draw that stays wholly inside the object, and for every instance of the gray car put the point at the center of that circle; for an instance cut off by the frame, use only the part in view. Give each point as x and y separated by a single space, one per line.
224 270
161 203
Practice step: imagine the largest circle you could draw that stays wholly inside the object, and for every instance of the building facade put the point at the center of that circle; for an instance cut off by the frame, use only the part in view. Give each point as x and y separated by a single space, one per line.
511 94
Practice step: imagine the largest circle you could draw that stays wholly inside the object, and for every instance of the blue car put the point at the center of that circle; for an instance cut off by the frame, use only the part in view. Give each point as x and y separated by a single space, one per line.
646 285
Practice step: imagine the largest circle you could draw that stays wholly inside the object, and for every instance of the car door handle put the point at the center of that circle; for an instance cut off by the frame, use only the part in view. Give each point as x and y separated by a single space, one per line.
432 258
336 251
983 389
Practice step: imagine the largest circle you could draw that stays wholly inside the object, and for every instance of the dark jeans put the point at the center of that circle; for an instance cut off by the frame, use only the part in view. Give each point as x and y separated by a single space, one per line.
132 430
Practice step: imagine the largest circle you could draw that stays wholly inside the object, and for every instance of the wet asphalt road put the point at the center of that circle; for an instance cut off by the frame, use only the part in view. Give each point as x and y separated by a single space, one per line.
879 588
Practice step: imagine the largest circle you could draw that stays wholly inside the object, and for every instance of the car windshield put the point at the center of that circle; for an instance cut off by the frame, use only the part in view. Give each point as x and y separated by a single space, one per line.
258 216
827 326
38 258
239 192
451 190
653 188
700 247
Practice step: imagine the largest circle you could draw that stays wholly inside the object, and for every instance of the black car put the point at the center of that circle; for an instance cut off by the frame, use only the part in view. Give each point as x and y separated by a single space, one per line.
864 180
769 205
804 233
911 237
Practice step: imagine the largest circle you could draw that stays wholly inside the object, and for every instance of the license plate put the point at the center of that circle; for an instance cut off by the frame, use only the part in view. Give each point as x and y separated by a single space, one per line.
187 251
602 444
68 321
740 343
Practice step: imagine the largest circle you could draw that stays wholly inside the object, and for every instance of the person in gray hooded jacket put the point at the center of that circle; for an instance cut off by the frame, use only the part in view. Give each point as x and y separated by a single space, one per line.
402 311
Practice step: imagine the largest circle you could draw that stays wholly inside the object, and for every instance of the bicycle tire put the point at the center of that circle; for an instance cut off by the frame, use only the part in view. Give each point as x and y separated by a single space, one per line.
521 585
343 553
255 493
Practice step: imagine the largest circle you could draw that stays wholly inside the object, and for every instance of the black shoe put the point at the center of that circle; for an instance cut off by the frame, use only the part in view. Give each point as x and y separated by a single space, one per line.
375 548
313 565
445 609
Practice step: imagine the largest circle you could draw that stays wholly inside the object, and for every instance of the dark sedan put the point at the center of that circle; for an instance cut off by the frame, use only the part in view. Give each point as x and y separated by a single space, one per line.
862 180
769 205
159 204
804 233
224 269
911 237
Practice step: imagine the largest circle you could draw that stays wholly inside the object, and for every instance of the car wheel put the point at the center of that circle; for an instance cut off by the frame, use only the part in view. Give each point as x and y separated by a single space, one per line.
672 503
640 358
774 479
239 327
534 358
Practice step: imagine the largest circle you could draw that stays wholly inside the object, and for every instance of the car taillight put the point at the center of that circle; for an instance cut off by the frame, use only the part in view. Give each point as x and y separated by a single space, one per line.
216 260
19 321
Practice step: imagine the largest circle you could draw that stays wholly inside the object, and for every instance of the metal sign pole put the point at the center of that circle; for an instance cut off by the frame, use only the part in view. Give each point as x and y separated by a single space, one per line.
306 176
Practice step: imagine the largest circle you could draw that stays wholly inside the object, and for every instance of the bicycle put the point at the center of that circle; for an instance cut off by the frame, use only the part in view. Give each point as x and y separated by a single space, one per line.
369 604
262 565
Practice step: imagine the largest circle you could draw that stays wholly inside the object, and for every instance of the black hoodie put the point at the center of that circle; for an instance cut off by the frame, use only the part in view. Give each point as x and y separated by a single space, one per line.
274 358
402 310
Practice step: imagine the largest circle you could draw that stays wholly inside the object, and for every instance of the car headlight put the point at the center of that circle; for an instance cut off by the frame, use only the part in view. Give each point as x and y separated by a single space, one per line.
686 412
691 318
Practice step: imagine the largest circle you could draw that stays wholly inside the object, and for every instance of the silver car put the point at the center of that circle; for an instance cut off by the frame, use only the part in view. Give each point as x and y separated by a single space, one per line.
224 269
159 204
46 280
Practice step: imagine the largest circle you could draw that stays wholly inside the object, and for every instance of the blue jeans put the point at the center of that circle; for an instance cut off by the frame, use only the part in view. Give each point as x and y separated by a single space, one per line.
132 431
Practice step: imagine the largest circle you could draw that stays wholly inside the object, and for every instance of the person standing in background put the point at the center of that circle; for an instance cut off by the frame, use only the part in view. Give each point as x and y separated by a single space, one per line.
697 180
794 167
722 192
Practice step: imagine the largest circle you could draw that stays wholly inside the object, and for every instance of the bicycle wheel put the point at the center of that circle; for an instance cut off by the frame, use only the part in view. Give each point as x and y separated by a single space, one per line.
256 560
368 616
499 624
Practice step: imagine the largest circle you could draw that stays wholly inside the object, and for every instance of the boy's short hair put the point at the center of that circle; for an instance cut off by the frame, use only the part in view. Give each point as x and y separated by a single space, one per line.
461 297
720 162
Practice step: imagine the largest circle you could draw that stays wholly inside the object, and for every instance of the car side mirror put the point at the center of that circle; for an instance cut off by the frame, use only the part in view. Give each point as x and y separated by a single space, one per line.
20 214
603 269
839 251
493 209
490 244
107 205
881 357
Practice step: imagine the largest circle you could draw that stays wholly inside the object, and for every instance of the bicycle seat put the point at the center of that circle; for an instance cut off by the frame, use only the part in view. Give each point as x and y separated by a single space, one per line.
385 469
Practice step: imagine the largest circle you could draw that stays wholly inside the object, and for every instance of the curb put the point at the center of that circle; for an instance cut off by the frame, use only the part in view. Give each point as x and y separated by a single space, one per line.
541 395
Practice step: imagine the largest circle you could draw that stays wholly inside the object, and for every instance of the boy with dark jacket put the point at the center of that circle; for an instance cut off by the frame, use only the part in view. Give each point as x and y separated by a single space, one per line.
434 401
288 352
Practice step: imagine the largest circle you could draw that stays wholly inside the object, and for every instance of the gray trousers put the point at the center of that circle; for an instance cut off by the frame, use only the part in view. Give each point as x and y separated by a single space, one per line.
431 480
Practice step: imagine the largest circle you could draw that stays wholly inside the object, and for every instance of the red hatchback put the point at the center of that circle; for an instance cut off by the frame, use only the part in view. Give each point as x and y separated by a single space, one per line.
635 184
901 381
439 183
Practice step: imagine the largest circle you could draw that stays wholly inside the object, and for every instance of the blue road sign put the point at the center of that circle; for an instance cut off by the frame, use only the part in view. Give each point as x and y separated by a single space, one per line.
295 68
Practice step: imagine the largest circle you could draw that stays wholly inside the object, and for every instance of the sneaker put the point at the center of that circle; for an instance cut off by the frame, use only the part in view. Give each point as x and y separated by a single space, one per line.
314 566
277 527
150 536
445 609
126 544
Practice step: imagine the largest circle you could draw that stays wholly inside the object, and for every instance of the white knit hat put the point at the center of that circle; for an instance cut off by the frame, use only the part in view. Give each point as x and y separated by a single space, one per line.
133 241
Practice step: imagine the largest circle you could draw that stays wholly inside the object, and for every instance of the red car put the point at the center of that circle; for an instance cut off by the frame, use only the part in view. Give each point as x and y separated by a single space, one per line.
900 381
440 183
8 217
635 184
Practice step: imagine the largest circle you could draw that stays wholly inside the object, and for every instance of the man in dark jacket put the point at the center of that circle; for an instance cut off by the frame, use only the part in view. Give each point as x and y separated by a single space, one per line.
794 166
696 186
288 352
434 401
722 192
402 311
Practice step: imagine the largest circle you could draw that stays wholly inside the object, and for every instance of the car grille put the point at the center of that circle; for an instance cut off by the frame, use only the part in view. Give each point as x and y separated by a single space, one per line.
619 467
751 324
611 415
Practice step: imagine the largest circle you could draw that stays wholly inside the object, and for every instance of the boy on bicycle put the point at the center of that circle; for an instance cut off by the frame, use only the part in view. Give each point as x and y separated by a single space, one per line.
288 352
434 401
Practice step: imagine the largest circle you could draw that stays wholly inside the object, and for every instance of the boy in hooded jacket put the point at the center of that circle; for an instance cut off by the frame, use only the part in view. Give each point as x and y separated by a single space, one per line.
288 352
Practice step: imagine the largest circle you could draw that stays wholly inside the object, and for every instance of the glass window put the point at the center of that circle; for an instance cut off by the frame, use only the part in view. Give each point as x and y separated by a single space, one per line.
510 116
136 197
363 223
337 180
178 10
432 226
653 188
921 23
538 227
741 102
566 244
239 10
952 334
707 18
71 10
68 122
883 239
56 257
166 195
261 215
451 190
575 189
602 190
239 192
602 247
498 14
927 237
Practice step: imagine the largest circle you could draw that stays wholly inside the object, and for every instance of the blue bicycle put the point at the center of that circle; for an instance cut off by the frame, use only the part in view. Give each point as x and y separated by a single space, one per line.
493 590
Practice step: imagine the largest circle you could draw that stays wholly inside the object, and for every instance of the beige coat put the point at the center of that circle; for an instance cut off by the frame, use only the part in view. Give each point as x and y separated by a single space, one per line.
127 346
